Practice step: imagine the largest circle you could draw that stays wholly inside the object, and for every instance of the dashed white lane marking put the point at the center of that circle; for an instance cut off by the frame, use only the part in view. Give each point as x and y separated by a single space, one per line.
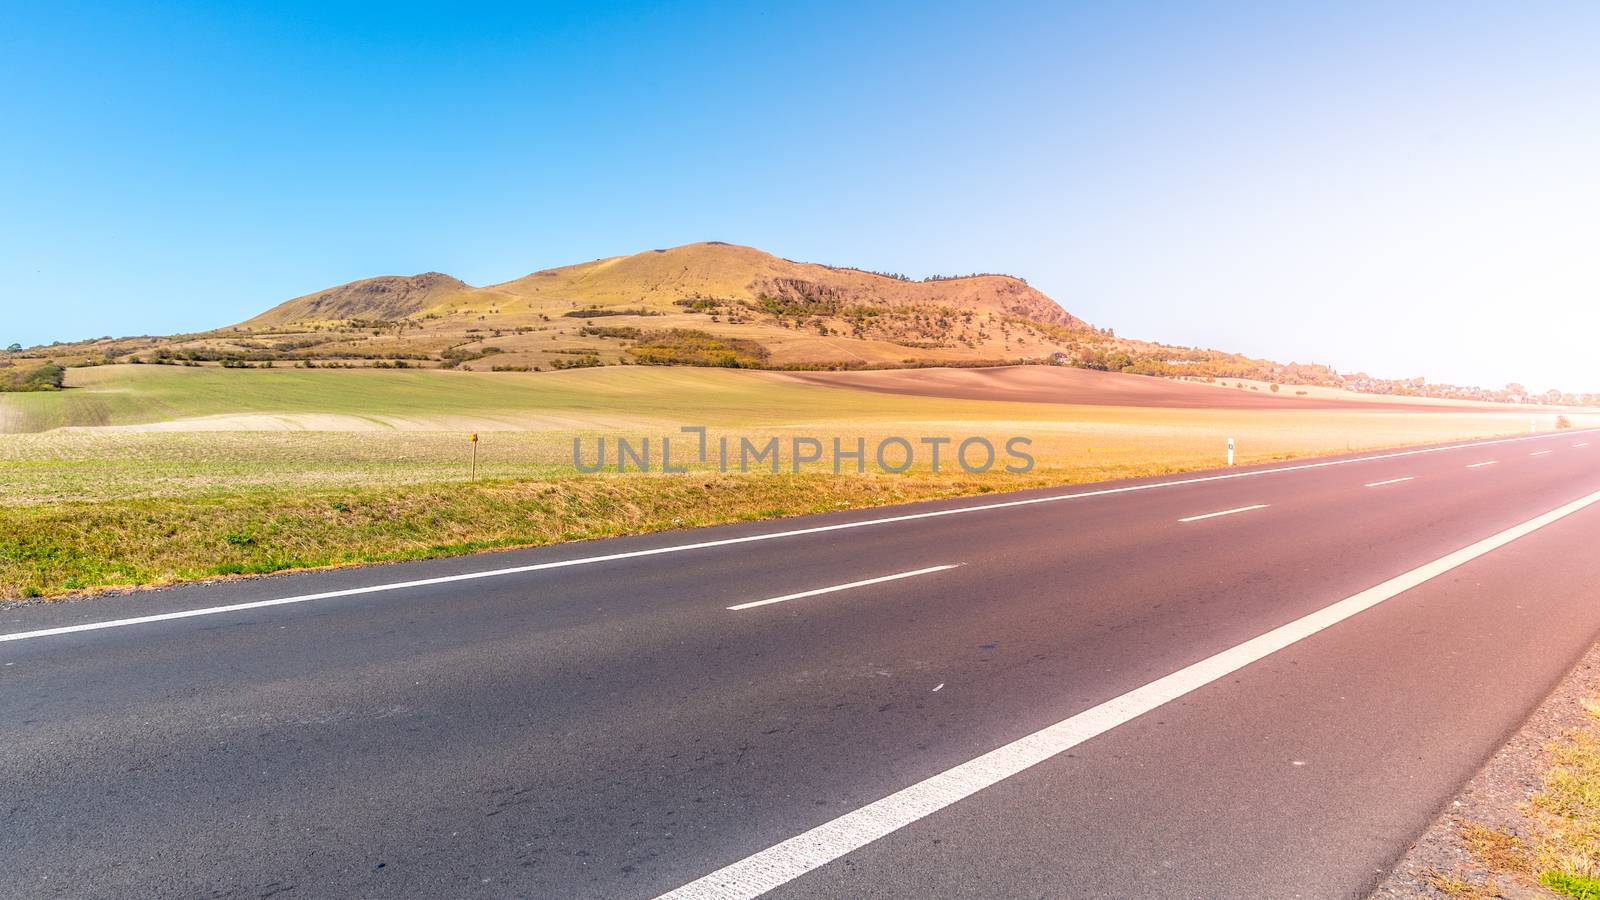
1225 512
841 587
1390 481
1487 462
1581 444
783 862
729 542
1540 452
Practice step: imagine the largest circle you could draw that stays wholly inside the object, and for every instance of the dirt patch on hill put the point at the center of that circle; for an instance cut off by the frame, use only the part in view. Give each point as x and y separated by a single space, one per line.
1056 384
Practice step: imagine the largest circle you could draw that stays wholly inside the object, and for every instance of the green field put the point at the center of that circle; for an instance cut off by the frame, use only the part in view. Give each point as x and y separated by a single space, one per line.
423 399
373 465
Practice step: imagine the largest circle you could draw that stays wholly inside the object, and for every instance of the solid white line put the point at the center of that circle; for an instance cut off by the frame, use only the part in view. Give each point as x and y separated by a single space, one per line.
1540 452
1487 462
1390 481
1226 512
768 869
728 542
840 587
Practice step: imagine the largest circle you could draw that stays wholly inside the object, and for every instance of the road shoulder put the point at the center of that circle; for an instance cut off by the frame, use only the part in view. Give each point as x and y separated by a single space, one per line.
1443 863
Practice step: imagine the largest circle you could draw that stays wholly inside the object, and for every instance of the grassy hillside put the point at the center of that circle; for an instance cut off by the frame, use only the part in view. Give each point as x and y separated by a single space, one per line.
658 279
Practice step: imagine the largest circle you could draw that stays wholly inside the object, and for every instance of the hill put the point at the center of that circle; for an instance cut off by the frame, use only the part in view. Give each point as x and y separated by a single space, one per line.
384 297
708 303
718 271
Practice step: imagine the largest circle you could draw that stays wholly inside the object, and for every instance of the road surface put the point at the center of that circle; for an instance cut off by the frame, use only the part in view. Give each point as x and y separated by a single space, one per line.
1258 682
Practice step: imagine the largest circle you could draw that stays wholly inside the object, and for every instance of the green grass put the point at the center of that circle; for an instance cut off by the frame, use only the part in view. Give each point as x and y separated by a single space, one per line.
1569 885
411 399
50 548
99 508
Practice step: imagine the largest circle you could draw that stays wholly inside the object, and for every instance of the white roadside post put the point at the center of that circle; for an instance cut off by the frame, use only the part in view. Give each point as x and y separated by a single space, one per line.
1230 451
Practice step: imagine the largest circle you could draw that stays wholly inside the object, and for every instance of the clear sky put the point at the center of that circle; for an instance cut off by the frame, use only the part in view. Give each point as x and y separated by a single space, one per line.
1404 188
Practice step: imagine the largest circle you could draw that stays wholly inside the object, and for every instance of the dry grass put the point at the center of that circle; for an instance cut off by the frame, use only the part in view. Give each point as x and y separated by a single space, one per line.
114 467
1498 850
1464 888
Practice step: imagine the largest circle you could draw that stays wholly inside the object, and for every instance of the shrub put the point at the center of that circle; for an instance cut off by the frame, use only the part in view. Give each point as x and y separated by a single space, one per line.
594 312
703 304
691 347
626 332
48 377
455 356
577 362
1563 422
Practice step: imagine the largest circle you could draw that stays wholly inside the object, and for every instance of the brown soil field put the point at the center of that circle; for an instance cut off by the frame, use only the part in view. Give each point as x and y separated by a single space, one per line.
1086 387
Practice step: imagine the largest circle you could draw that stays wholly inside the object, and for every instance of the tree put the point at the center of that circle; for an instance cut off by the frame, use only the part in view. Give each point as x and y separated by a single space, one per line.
14 348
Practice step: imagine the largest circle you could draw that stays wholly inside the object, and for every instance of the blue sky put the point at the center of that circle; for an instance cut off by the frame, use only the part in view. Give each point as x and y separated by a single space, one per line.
1409 189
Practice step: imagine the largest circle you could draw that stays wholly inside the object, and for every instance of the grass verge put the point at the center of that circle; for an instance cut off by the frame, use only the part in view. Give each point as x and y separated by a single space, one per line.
1559 847
51 549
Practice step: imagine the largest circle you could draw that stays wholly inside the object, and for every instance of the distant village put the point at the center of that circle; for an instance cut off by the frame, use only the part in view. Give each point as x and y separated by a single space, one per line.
1362 383
1419 387
1212 365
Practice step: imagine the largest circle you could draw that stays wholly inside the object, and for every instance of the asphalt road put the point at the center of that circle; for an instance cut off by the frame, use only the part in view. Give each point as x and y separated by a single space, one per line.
599 723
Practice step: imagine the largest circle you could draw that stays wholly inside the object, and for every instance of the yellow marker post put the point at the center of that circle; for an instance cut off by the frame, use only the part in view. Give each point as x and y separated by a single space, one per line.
474 456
